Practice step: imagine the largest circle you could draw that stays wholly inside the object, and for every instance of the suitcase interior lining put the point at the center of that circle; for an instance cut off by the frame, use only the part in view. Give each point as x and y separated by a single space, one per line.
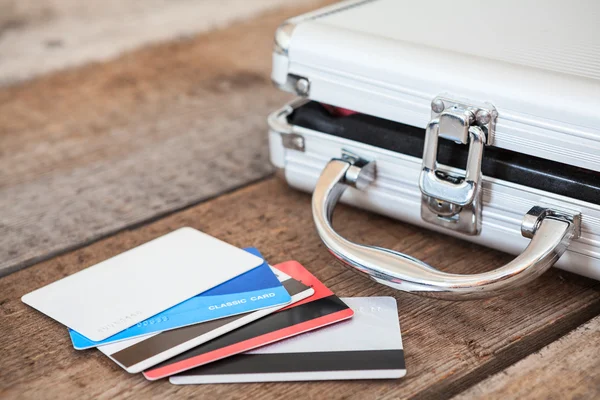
523 169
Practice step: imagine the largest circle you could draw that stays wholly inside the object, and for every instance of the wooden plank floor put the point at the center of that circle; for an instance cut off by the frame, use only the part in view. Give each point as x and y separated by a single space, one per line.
569 367
449 346
101 158
89 151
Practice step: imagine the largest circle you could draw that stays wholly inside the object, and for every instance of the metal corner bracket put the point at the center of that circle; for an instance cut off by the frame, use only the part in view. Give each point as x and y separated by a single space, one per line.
283 37
278 122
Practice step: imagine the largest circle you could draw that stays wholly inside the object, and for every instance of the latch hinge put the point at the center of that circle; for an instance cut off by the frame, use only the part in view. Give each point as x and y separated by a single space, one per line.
296 84
449 199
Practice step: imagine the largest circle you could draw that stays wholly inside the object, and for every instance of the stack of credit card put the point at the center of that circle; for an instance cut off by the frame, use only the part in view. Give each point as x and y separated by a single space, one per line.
189 307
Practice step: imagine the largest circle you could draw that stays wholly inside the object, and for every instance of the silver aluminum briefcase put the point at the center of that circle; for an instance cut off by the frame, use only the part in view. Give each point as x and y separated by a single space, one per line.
476 119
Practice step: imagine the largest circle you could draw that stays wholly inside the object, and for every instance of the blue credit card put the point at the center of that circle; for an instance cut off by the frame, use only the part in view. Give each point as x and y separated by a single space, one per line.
253 290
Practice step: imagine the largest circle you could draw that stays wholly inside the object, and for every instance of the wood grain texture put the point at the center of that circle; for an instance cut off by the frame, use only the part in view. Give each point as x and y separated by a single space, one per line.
566 369
87 152
449 346
39 36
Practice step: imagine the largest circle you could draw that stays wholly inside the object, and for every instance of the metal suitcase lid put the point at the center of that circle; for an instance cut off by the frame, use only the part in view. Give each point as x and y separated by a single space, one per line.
538 65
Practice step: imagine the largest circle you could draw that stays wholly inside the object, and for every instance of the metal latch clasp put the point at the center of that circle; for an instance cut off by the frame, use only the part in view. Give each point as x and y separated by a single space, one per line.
449 199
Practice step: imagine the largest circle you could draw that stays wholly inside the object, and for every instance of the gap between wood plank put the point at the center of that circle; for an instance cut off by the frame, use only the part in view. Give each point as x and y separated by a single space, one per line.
135 225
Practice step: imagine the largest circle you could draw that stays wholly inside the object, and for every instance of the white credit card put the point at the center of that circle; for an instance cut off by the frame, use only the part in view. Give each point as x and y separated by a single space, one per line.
131 287
368 346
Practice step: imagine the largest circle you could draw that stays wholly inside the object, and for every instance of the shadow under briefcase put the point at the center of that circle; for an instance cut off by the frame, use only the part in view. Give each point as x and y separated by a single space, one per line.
470 118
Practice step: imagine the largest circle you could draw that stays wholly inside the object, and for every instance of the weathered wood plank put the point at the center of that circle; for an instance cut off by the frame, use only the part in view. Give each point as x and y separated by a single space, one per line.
38 36
87 152
449 346
566 369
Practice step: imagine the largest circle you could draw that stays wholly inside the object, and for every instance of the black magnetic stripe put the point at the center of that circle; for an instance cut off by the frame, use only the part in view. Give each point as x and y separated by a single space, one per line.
510 166
363 360
271 323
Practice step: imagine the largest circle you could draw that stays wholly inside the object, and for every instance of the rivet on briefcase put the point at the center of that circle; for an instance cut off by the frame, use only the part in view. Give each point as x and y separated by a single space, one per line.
477 119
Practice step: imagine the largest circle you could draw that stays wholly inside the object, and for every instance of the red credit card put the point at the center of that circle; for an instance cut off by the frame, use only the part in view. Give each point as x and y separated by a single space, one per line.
321 309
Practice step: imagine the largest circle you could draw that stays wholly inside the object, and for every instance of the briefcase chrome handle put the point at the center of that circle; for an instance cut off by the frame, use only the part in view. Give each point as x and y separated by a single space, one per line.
550 231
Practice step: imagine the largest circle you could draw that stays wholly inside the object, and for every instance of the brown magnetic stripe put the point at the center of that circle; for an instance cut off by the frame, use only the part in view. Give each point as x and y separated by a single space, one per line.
294 286
145 349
